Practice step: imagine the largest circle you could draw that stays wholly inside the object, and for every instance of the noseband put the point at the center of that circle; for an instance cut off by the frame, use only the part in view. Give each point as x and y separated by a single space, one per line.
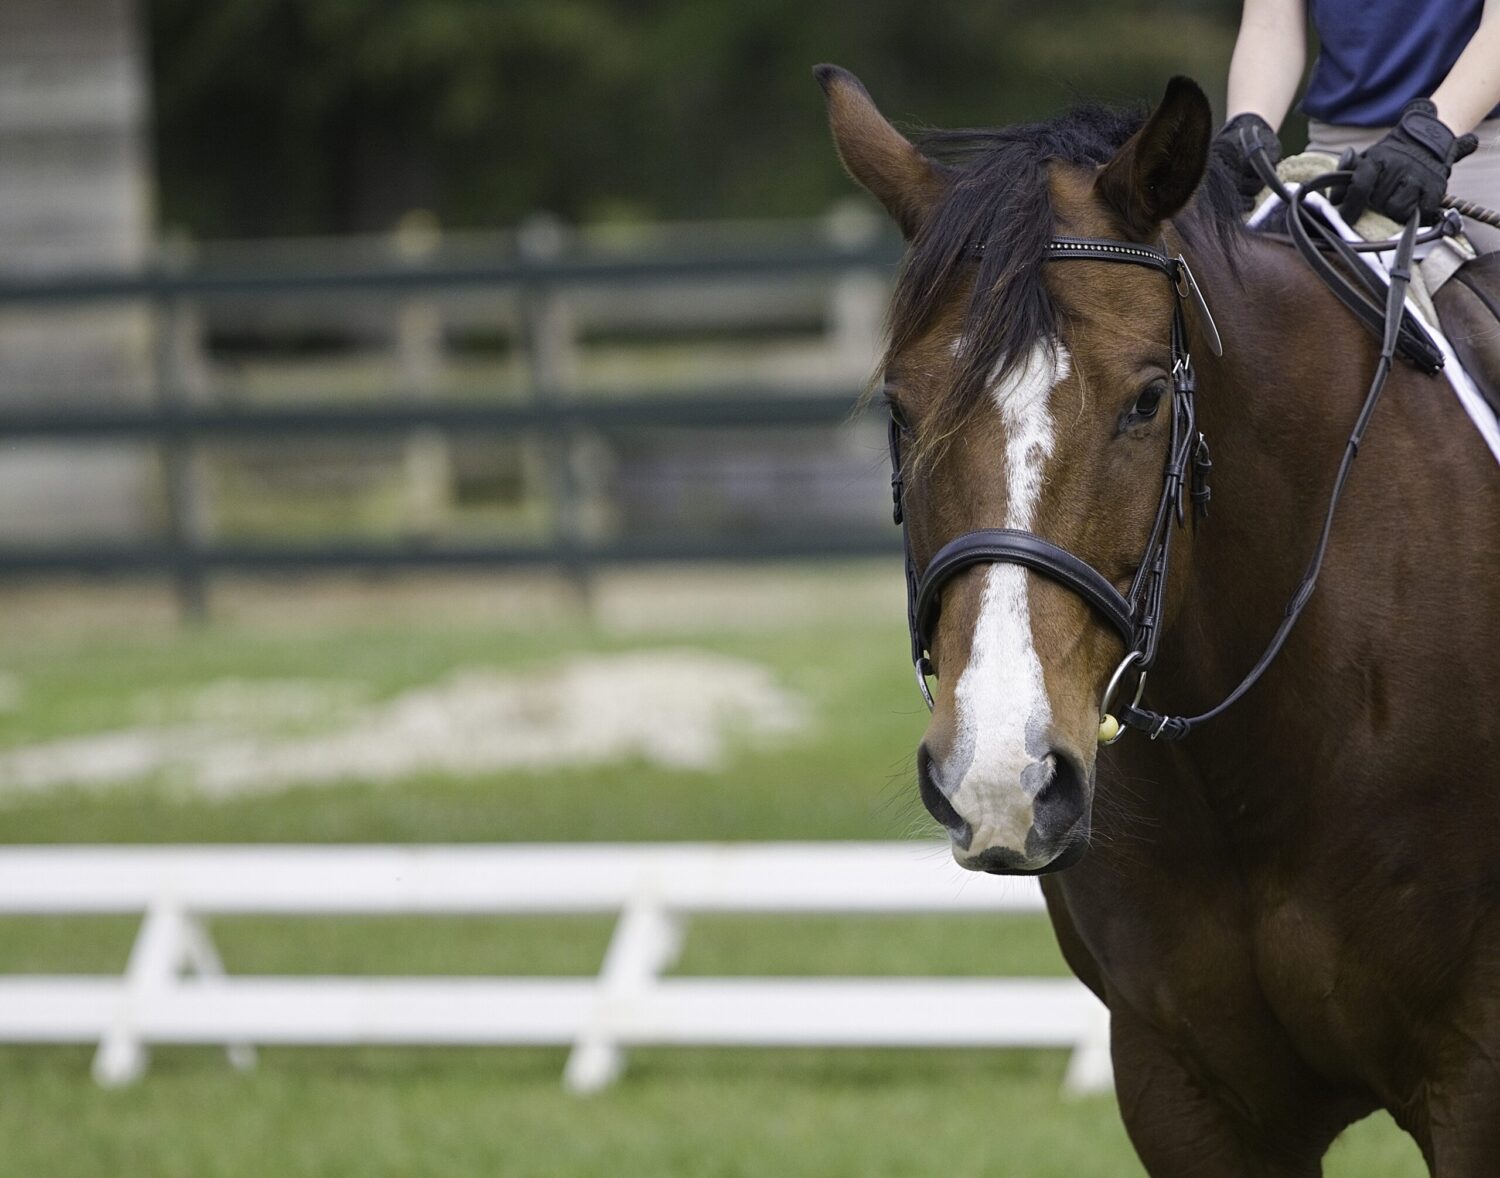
1135 614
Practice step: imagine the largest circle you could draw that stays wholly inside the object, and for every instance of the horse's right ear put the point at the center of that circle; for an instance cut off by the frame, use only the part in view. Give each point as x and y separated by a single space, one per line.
877 155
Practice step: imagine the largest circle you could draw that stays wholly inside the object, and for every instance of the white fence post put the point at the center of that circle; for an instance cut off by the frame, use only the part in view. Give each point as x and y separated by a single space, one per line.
202 958
170 941
1091 1069
123 1055
646 941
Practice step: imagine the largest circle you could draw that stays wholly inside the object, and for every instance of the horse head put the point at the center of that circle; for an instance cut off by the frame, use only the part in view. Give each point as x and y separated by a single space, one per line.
1029 397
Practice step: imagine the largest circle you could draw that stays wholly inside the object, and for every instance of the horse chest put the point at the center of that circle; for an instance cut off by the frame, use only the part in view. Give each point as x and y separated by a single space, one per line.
1334 993
1347 980
1213 975
1288 963
1316 982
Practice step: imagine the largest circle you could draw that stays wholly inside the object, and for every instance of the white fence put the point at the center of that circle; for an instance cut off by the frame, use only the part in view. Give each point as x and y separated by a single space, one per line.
175 990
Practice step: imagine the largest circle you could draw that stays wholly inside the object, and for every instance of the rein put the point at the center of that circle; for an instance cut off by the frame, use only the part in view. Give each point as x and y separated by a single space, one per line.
1136 614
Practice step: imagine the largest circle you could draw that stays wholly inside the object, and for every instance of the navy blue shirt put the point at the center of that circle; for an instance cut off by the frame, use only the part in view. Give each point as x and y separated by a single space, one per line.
1377 55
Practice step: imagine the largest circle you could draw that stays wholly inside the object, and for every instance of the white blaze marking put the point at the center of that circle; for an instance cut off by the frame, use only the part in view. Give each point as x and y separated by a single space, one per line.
1002 707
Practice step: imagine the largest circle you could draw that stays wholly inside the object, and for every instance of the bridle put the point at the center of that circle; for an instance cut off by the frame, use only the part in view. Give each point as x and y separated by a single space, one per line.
1136 614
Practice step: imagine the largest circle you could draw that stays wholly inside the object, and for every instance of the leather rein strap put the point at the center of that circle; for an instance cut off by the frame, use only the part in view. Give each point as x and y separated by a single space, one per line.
1136 614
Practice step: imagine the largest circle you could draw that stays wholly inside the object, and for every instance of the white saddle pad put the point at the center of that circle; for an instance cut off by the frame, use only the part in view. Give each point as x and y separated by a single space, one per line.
1377 229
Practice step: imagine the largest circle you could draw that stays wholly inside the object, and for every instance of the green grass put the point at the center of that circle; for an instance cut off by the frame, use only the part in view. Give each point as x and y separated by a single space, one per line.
412 1112
847 779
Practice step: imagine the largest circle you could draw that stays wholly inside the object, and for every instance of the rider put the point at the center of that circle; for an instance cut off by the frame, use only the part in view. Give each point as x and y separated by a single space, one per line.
1413 87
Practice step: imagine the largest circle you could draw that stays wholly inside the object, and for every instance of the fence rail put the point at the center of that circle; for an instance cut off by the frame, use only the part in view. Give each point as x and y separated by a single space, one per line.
644 550
176 989
694 409
552 271
180 420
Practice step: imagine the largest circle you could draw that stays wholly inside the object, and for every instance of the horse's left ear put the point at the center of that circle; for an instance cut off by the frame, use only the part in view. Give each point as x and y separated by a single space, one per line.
1159 168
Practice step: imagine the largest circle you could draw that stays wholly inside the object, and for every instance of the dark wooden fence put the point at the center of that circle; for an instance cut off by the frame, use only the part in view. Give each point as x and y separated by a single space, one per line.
175 424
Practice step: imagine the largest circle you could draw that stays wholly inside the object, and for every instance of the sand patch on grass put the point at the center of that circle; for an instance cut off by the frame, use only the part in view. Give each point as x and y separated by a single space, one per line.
678 709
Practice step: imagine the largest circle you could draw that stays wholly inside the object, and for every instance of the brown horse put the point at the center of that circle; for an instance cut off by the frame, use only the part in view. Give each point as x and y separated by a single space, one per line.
1293 914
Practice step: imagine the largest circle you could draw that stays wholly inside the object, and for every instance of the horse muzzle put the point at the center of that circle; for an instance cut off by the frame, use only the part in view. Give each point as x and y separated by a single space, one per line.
1032 819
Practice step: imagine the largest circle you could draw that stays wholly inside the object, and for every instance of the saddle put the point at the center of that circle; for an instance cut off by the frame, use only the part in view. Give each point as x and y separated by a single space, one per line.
1468 309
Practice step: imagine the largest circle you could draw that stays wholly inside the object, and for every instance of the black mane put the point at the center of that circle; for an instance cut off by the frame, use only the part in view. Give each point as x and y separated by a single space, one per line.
998 196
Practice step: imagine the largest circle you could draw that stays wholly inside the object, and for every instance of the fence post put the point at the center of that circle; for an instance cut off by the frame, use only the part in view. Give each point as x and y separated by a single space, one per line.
549 336
123 1055
1090 1067
856 313
200 956
186 509
420 356
170 941
646 941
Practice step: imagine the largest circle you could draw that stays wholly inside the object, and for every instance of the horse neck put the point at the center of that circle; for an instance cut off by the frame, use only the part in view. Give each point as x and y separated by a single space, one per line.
1387 672
1277 409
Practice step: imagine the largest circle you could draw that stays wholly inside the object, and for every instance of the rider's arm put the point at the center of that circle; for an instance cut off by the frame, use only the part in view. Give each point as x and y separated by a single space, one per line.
1269 54
1472 88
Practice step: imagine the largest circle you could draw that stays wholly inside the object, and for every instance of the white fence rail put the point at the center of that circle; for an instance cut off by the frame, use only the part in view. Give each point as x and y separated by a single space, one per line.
175 989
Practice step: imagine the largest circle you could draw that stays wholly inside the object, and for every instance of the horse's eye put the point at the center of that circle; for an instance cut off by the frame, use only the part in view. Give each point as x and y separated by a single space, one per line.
1148 402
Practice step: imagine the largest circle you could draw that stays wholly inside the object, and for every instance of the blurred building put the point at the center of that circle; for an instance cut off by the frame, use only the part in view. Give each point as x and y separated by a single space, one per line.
75 195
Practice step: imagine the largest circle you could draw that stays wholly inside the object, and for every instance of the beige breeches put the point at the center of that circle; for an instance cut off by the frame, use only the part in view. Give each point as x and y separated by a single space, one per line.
1476 178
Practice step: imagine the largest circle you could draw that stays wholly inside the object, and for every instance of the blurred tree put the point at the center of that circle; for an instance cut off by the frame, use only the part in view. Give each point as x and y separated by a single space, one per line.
289 116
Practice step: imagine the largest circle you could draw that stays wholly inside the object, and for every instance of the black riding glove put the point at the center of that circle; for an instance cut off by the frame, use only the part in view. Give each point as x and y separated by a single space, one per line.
1408 169
1234 144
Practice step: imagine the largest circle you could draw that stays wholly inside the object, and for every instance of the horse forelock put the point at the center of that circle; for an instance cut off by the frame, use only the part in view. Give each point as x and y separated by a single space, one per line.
983 247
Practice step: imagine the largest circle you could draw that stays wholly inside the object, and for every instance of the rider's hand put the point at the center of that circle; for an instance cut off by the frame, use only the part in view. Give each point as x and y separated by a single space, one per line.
1234 143
1408 169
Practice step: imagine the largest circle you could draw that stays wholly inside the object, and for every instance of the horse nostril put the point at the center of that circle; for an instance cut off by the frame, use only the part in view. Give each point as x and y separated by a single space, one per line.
937 802
1063 801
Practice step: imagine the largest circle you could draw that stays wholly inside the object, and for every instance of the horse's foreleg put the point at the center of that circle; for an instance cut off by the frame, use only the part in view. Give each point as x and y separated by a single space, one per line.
1458 1125
1466 1149
1451 1104
1183 1126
